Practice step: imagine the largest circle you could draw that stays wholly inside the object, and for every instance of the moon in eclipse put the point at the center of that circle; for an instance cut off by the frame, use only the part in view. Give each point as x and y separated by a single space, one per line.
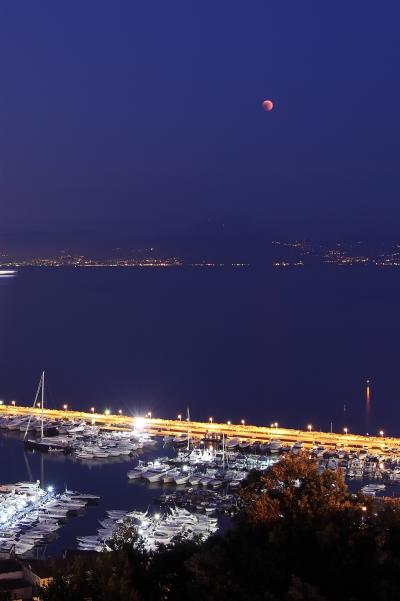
268 105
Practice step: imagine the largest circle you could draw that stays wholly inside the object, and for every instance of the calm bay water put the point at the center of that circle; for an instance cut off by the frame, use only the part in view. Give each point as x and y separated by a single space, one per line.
263 345
292 346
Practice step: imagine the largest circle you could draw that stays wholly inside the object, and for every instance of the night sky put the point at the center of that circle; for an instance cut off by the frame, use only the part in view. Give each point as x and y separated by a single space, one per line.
146 116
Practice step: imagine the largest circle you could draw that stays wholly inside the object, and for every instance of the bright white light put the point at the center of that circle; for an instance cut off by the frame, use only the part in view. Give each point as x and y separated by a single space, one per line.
50 489
107 412
157 516
139 423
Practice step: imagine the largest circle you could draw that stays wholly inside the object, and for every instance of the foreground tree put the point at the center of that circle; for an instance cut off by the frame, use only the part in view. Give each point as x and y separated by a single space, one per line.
301 536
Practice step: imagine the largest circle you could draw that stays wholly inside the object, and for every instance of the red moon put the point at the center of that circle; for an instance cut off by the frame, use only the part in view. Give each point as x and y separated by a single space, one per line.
268 105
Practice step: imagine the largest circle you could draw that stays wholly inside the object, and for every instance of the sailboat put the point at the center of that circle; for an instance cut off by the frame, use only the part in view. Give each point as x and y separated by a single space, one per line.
44 443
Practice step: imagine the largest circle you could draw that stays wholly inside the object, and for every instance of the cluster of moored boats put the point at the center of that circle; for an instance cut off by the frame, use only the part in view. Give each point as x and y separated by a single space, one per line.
77 437
203 500
30 516
361 465
203 467
153 528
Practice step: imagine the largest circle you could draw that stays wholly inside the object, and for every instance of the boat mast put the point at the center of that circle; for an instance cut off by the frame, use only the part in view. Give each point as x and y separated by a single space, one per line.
41 425
33 406
188 432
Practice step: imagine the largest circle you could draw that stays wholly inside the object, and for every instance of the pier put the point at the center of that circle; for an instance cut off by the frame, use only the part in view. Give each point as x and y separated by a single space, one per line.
166 427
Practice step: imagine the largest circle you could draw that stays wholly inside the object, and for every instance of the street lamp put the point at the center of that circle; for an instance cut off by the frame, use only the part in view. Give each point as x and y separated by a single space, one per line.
149 414
13 403
345 430
92 409
65 407
180 417
38 405
119 411
229 422
210 419
381 433
309 427
276 424
242 422
107 412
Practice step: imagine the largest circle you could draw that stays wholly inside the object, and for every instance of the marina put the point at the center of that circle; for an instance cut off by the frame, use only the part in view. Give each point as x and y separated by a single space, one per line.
31 515
157 475
183 479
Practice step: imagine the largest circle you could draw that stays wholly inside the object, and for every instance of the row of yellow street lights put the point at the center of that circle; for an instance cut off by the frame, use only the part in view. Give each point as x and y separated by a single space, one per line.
210 419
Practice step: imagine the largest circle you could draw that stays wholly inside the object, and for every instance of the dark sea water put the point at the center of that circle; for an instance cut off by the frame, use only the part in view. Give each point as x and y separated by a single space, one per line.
288 346
292 346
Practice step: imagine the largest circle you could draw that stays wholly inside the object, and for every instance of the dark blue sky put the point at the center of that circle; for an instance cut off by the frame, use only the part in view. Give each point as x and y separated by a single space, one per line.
139 116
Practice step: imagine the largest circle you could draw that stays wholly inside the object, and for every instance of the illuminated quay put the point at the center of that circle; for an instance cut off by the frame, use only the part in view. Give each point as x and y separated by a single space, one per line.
164 427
